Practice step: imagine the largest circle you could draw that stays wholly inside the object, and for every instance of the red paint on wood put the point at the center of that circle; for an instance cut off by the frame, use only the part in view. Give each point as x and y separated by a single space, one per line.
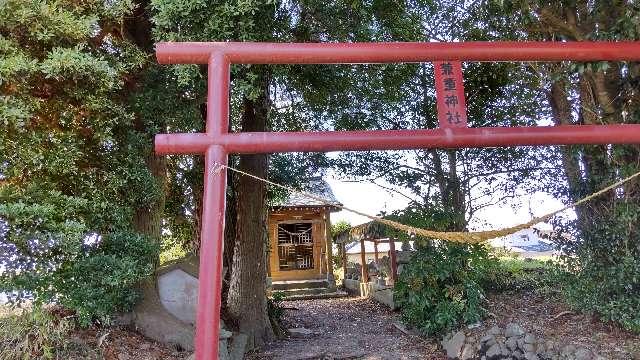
450 100
243 143
393 52
393 260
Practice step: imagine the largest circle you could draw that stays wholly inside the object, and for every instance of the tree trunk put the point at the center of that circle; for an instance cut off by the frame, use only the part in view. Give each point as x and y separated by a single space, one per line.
148 220
247 302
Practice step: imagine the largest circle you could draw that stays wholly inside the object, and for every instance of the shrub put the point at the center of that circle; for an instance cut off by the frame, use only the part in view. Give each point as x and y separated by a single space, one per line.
275 310
94 281
105 280
612 292
511 274
440 287
601 266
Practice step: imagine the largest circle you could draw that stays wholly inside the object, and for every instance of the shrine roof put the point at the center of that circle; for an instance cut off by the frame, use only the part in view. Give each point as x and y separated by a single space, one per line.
316 186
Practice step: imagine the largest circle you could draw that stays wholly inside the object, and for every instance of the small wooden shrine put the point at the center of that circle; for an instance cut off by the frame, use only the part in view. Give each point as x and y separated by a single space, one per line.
300 236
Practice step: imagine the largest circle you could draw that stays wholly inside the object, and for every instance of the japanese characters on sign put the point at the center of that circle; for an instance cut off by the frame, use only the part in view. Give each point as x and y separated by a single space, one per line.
452 109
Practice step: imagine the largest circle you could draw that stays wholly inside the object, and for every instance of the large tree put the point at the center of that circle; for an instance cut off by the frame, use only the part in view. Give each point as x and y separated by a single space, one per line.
82 194
605 242
457 182
267 97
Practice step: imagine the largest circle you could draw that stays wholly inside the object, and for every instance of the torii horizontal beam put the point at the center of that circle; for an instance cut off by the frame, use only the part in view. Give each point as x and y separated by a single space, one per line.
323 141
217 143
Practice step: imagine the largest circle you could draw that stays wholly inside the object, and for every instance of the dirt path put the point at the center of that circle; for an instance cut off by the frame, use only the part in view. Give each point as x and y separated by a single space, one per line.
347 328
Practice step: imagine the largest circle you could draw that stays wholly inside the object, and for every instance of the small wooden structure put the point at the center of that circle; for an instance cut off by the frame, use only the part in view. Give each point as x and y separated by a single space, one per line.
374 232
300 236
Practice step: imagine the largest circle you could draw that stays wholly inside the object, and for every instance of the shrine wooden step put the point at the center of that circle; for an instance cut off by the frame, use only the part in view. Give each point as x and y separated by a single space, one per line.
325 295
299 284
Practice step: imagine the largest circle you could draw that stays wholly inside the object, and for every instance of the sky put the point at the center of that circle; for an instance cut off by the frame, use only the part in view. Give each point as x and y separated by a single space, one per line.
372 199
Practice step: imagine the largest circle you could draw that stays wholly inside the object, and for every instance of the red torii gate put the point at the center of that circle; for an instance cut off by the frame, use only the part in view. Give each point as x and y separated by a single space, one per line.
217 142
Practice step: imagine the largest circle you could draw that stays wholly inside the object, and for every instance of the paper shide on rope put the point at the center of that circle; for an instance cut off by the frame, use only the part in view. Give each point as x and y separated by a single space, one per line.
465 237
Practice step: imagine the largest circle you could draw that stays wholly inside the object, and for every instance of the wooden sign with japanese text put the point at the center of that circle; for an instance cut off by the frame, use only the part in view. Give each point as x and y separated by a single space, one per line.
452 109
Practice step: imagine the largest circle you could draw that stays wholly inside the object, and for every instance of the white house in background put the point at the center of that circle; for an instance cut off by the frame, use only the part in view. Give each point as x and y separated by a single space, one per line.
526 242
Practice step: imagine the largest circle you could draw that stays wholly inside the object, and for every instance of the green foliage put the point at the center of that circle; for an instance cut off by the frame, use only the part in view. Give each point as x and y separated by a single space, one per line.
440 288
609 291
73 156
338 227
275 307
510 274
105 278
33 334
601 273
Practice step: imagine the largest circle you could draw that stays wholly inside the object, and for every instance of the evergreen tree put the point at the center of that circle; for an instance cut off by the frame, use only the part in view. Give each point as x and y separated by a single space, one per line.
81 196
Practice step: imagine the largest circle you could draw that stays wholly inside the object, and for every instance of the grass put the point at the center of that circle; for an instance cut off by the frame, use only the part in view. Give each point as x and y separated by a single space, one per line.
517 274
517 264
32 334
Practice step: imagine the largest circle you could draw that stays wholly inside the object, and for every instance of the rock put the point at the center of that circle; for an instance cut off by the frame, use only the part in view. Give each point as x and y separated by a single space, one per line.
487 338
512 343
529 339
145 346
224 334
527 348
154 321
520 343
517 354
238 346
568 350
495 330
468 351
504 350
531 356
223 350
473 326
494 352
513 329
583 354
453 344
300 332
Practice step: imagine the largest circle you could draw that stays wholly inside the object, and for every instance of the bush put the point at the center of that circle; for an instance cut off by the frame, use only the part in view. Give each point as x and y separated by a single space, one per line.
612 292
511 274
33 335
275 310
601 265
95 281
440 287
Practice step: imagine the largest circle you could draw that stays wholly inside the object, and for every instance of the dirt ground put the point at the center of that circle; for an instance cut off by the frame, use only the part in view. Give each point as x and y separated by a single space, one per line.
354 328
347 328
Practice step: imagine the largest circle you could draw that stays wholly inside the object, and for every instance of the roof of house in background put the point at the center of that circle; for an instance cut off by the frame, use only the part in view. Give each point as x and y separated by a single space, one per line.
315 186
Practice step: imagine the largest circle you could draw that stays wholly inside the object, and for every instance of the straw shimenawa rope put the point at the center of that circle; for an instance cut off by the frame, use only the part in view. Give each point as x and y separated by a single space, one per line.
472 237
